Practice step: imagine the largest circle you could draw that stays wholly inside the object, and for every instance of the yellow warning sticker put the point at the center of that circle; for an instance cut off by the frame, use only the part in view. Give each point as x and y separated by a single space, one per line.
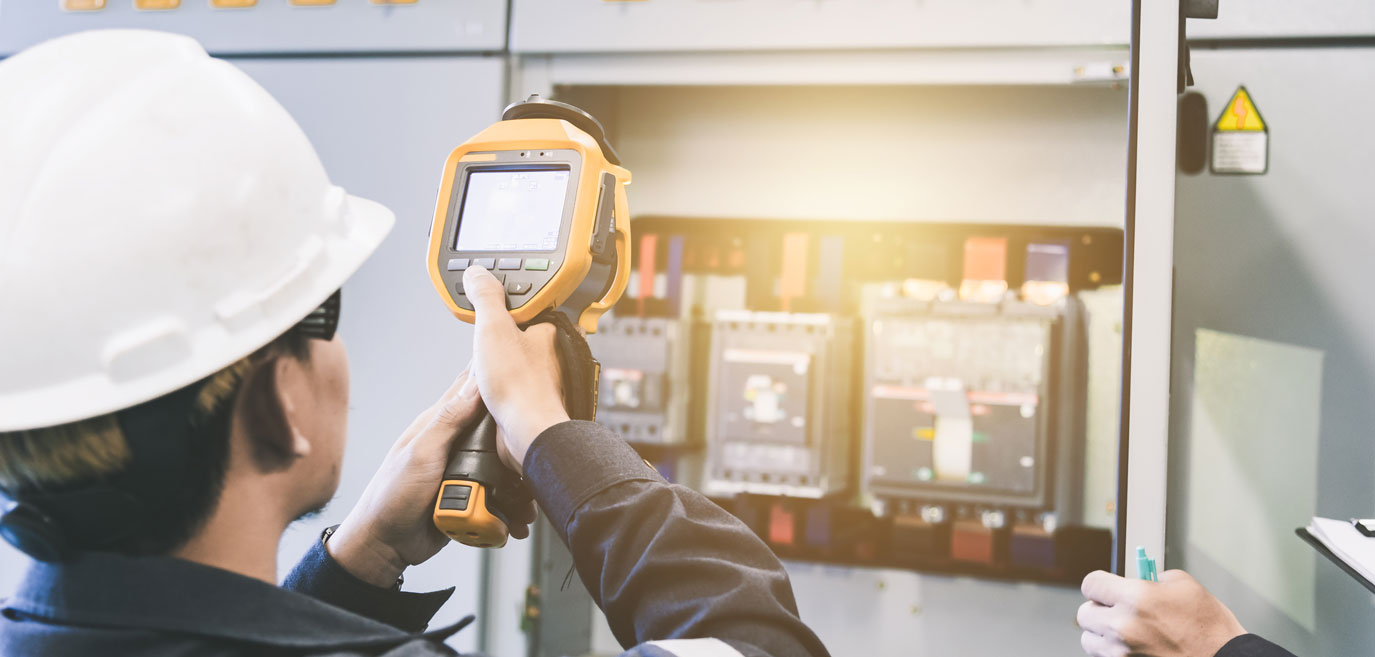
1241 114
1241 139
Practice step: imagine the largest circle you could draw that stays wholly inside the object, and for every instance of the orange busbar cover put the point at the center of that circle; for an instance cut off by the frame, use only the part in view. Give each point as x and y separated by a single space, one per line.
971 541
793 283
985 259
781 525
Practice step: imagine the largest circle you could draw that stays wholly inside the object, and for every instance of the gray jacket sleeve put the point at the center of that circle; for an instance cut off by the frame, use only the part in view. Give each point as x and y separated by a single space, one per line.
1250 645
662 561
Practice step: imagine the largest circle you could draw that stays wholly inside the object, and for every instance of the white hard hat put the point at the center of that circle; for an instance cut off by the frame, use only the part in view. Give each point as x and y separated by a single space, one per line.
161 217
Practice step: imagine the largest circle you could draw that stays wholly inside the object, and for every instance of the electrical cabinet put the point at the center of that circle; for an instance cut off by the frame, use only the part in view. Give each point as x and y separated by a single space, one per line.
969 403
644 386
778 421
819 424
974 430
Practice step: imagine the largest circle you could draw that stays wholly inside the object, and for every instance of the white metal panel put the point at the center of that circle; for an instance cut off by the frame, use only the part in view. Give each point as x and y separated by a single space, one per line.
1152 261
383 128
678 25
1018 66
862 612
277 27
1287 18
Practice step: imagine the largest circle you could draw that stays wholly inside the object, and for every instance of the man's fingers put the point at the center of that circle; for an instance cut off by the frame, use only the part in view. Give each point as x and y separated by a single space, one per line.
524 514
458 382
1099 646
521 518
1109 589
455 411
1095 618
488 298
459 407
427 416
416 426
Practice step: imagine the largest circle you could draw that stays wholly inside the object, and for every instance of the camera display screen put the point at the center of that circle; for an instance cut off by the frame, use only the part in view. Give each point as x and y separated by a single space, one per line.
512 210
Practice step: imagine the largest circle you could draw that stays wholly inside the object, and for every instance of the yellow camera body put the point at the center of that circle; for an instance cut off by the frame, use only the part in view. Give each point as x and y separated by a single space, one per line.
593 242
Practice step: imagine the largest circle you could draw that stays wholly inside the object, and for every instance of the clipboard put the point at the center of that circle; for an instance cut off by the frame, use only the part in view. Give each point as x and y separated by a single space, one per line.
1322 549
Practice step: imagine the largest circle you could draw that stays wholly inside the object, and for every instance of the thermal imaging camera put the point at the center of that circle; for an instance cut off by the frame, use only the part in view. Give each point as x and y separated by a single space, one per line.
538 199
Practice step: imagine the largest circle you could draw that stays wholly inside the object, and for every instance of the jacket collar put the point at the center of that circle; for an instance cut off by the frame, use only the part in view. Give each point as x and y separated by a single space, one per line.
165 594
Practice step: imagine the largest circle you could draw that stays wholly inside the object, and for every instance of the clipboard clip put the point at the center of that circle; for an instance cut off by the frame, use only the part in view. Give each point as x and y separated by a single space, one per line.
1366 527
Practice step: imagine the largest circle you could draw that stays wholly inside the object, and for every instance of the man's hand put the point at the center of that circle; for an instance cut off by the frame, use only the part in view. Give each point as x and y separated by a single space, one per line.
1175 617
392 525
517 371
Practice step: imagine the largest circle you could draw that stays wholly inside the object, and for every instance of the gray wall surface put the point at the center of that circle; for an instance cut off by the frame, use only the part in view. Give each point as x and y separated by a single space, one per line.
1287 258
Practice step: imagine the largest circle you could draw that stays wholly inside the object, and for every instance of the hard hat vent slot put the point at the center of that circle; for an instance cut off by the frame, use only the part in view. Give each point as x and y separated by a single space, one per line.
148 349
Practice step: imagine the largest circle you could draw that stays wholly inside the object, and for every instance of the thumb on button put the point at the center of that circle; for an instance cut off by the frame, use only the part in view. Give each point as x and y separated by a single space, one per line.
488 298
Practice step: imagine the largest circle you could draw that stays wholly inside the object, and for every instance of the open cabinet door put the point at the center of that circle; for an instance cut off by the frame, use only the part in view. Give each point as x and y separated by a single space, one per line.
1148 278
1273 352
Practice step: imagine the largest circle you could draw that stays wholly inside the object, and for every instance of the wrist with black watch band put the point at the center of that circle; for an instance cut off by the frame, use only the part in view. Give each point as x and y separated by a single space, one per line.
324 539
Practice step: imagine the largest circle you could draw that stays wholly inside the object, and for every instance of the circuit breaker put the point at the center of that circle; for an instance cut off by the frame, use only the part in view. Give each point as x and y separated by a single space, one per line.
965 405
778 420
644 386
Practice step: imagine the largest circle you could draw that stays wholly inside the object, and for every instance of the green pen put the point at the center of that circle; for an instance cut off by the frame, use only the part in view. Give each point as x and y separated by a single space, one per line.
1145 568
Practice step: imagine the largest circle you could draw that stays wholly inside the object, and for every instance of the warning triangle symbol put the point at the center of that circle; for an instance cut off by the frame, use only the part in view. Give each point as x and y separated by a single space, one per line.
1240 114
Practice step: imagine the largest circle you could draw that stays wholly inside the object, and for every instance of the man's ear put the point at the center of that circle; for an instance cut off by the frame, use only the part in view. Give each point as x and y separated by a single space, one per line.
262 412
292 384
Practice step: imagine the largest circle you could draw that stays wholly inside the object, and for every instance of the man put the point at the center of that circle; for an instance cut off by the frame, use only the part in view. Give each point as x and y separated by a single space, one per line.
173 396
1175 617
